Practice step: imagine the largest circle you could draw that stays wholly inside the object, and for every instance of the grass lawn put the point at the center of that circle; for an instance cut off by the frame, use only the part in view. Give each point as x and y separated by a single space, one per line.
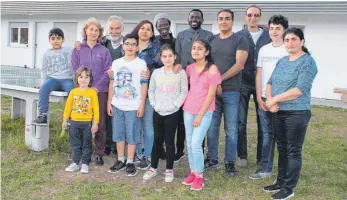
32 175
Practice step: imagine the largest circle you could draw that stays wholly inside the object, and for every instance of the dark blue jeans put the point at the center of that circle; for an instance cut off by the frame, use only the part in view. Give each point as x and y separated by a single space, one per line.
290 130
228 105
247 89
267 157
81 141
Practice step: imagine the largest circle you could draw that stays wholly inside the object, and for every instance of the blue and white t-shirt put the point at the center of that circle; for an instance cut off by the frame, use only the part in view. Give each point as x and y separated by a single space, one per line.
127 83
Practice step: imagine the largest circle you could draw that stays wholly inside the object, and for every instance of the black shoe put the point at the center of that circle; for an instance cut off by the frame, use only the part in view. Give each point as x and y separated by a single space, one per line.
107 151
207 160
99 160
283 195
211 164
130 169
230 168
178 157
162 154
41 119
144 163
118 165
273 188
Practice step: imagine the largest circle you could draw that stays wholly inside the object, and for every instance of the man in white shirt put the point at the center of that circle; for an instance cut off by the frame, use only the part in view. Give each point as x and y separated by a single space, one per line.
267 60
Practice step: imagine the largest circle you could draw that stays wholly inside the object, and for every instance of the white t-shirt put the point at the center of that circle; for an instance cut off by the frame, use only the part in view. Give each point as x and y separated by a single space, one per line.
127 83
256 35
267 60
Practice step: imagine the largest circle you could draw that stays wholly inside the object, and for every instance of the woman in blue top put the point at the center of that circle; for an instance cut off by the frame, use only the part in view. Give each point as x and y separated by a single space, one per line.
148 51
288 97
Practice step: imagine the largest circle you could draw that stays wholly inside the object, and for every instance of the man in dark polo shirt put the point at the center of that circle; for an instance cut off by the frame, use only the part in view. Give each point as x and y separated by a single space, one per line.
229 52
183 47
257 37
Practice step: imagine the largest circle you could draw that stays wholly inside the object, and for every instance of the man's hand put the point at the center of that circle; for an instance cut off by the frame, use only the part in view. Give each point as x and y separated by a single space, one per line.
274 108
262 104
77 45
270 102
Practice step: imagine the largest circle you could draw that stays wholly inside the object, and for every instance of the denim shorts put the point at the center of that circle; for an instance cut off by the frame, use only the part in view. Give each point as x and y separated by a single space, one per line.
126 126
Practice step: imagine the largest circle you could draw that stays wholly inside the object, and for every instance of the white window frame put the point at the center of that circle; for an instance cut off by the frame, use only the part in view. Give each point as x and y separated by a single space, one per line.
19 26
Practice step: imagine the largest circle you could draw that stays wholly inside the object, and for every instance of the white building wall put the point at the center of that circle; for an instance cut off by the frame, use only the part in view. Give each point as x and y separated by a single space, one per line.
325 39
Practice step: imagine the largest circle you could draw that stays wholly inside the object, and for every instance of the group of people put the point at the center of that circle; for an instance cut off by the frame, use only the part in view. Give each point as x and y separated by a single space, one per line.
140 91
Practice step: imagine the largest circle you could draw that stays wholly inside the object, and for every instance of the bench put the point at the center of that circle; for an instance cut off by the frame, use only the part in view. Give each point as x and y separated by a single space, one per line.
342 91
24 103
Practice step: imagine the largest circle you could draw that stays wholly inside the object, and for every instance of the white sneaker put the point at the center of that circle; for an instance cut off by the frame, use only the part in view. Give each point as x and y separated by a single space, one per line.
84 169
72 168
169 176
150 174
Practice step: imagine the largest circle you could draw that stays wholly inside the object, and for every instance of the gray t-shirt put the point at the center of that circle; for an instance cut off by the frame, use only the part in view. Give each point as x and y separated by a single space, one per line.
56 64
224 56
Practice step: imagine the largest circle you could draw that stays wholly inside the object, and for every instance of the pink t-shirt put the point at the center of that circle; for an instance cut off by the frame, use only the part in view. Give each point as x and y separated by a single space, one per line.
199 84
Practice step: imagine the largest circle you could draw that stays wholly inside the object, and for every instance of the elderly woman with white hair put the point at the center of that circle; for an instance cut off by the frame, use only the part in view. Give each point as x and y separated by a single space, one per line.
96 57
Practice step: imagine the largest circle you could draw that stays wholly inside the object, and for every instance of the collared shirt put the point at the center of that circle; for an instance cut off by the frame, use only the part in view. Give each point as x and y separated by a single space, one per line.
184 43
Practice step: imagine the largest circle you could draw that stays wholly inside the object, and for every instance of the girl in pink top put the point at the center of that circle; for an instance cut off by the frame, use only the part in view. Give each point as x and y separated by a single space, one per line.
198 109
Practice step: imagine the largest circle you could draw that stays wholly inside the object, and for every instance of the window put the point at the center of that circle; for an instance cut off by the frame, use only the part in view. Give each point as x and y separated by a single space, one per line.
19 33
182 27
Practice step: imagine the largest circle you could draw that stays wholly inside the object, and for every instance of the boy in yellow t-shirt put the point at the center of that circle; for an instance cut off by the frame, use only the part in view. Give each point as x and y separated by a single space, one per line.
82 108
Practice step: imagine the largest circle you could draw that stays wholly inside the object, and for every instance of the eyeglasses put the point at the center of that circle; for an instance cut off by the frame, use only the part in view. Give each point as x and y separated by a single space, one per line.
255 15
128 44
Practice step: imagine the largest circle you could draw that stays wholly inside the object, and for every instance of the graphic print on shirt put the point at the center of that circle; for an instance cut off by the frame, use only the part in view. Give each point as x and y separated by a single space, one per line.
124 88
57 62
81 104
166 85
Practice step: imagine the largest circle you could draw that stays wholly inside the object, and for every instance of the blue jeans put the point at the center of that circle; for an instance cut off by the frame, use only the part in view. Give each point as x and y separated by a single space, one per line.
268 146
194 137
52 84
148 131
227 104
126 126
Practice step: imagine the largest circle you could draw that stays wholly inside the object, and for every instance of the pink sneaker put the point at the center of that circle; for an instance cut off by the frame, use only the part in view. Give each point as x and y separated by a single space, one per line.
189 179
197 184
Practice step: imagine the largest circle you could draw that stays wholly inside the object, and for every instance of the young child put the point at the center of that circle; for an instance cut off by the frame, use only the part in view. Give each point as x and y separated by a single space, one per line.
82 108
167 92
55 72
126 102
198 109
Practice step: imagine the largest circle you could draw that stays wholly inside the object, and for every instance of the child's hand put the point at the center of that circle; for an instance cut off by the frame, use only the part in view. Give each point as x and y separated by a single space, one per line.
140 111
110 72
177 68
109 109
94 128
197 121
64 125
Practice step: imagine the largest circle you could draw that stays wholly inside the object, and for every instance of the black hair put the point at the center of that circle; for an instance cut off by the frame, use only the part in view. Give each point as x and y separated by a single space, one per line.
279 20
228 11
253 6
298 32
208 57
166 47
138 27
197 10
131 36
57 32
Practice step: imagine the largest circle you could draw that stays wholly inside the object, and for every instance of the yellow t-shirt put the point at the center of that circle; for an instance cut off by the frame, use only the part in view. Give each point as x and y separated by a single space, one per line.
82 105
